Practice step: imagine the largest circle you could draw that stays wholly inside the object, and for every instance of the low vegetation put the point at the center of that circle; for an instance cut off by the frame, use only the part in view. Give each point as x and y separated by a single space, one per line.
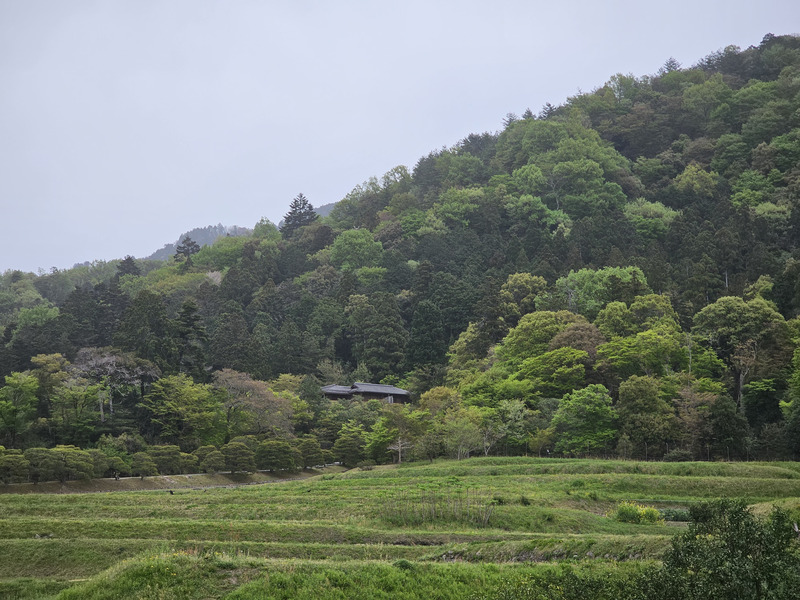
482 528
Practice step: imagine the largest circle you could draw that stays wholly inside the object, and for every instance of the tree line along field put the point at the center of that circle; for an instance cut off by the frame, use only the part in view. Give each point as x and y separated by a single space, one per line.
450 529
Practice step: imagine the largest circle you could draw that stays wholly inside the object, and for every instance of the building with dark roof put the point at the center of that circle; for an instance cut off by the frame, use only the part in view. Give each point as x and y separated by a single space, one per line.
367 391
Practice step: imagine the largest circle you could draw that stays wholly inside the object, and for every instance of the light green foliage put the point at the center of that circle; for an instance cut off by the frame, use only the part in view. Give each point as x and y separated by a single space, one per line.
14 467
355 248
632 512
702 98
74 409
42 464
518 295
266 229
100 463
585 422
220 255
744 334
750 97
456 206
439 399
529 180
787 150
461 434
650 219
752 188
534 210
581 189
70 462
533 334
17 406
378 440
615 320
696 181
466 355
184 411
556 372
587 291
656 351
36 316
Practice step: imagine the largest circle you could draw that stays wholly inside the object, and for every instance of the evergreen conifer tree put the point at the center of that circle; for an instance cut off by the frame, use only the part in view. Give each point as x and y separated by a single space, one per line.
301 213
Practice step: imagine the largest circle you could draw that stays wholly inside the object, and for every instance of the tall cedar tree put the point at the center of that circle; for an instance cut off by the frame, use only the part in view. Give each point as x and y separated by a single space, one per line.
301 213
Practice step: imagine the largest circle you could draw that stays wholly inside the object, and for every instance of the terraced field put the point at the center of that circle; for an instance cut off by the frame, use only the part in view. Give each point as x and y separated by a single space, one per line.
442 530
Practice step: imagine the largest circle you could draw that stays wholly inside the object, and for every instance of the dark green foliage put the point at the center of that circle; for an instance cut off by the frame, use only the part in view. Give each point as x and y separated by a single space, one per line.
186 249
727 553
142 465
147 330
301 213
128 266
192 341
14 467
275 455
166 458
238 457
349 446
310 452
214 462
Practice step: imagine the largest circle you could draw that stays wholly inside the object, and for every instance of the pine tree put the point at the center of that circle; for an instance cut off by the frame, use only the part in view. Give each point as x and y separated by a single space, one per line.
185 250
128 266
301 213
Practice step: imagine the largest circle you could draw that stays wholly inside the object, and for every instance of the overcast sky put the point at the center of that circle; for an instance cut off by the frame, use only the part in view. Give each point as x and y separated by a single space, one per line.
124 124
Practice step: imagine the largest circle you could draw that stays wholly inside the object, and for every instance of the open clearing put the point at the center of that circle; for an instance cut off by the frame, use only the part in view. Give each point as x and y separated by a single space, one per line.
441 530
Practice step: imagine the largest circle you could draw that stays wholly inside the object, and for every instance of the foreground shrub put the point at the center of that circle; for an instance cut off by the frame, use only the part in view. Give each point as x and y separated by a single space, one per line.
728 554
725 554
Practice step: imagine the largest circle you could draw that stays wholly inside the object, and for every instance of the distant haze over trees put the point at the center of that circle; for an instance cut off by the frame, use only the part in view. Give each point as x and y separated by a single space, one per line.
203 236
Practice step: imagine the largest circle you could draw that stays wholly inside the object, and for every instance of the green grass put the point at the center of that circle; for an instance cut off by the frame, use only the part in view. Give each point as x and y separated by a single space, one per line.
341 531
186 577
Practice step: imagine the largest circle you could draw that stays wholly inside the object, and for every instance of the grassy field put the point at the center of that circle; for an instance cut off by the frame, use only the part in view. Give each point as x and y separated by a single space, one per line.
441 530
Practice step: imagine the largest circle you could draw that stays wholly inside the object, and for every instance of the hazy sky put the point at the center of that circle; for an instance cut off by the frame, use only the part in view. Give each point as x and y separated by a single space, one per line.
123 124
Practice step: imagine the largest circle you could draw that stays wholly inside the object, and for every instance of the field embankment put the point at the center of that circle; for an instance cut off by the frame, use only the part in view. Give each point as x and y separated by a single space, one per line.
406 531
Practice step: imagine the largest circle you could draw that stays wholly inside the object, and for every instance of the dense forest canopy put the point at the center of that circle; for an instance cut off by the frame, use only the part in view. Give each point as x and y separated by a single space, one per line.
618 274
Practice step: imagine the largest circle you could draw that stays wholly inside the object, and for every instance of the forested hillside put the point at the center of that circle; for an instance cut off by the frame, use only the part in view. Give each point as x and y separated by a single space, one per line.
615 275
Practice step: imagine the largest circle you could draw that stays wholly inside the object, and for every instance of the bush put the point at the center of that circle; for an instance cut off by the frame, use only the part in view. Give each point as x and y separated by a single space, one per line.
275 455
214 462
678 455
631 512
727 554
675 514
238 457
366 465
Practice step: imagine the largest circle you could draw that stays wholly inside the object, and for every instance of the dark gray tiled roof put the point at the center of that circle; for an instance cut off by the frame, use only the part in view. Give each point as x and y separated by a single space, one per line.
377 388
364 388
343 390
